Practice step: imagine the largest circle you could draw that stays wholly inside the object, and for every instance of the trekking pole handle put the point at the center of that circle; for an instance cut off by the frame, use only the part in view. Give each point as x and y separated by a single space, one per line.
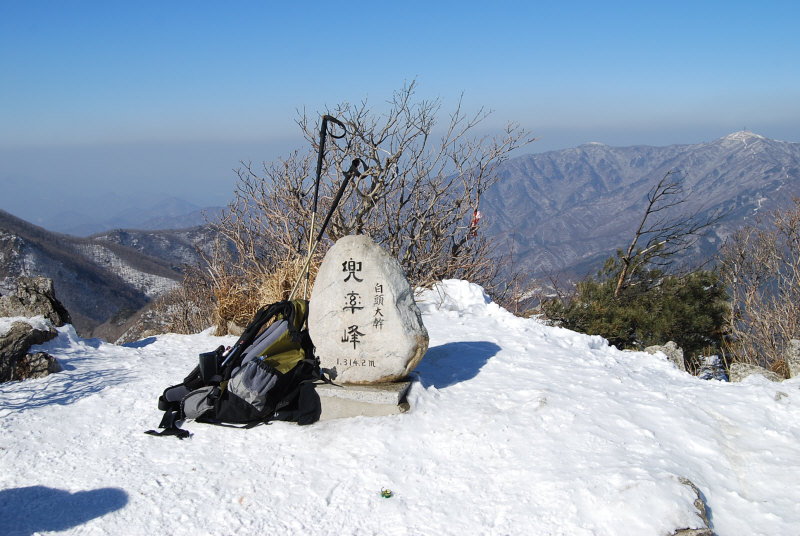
332 119
323 134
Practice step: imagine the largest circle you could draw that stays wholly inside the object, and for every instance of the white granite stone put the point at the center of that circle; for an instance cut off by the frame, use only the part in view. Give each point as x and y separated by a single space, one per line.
363 319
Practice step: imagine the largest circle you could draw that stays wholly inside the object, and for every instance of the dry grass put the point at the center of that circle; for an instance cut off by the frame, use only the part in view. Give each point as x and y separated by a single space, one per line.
239 297
781 368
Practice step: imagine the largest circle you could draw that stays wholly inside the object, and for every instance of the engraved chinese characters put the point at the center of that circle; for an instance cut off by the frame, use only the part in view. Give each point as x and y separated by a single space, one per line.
362 316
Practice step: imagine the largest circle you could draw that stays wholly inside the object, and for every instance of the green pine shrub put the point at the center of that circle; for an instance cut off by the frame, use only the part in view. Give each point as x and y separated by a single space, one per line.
652 308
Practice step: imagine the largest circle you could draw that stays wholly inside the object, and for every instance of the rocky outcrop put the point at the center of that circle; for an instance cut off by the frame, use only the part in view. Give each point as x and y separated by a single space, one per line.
36 365
672 351
35 296
740 371
145 323
793 358
15 361
700 505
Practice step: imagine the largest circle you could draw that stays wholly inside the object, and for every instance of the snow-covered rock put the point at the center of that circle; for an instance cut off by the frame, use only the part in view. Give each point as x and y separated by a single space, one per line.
34 296
17 335
671 351
740 371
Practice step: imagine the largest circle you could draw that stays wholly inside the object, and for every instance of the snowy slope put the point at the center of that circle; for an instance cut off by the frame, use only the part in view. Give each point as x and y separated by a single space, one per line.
515 428
150 284
566 210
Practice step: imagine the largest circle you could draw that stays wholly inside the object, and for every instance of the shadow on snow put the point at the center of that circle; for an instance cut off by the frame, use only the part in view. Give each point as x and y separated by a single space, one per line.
61 388
454 362
141 343
35 509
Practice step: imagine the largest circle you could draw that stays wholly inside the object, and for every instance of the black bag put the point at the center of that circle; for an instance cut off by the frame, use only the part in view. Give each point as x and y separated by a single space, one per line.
267 375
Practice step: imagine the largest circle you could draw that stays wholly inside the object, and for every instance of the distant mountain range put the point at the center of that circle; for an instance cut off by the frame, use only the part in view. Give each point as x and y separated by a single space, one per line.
559 212
162 213
570 210
103 279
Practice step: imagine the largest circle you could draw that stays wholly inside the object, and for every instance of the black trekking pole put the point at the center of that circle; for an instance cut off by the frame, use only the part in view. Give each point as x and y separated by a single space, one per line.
349 174
323 133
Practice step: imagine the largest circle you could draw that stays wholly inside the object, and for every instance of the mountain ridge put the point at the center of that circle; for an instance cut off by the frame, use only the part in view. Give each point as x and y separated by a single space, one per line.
95 279
564 208
558 212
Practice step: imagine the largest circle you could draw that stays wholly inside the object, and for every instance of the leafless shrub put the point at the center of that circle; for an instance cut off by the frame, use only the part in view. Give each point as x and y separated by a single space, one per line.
189 307
761 267
416 198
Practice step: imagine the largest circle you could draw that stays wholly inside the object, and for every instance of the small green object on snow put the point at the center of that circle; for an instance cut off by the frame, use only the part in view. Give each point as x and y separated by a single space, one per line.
386 493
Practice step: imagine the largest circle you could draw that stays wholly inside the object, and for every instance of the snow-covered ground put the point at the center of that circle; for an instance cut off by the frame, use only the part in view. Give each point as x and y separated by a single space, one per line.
514 428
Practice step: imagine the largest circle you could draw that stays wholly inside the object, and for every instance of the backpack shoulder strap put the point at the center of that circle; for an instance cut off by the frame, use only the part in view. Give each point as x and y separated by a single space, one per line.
264 315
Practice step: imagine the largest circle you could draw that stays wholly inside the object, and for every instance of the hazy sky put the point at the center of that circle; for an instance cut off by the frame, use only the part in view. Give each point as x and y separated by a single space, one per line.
168 97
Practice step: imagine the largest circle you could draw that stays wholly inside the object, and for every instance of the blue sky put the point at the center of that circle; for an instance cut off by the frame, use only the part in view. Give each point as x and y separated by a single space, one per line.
167 97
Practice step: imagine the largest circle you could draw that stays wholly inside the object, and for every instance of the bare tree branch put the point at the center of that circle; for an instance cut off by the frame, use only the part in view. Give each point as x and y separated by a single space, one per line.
416 197
663 232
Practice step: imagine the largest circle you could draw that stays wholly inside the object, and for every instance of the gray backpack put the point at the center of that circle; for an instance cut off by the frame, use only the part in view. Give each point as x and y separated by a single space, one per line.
268 374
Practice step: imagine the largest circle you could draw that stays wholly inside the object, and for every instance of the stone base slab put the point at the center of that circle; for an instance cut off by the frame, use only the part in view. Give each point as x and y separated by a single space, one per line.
374 400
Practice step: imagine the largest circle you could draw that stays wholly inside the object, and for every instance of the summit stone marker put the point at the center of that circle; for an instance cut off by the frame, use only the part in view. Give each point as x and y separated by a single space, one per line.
363 319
